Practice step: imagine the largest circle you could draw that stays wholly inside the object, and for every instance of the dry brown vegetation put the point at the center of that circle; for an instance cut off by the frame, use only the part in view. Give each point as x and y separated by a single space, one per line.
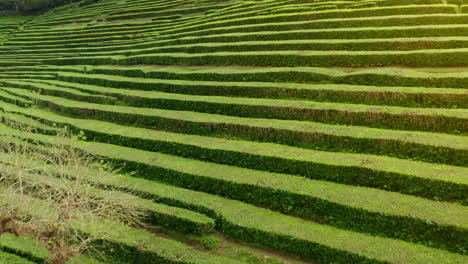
30 172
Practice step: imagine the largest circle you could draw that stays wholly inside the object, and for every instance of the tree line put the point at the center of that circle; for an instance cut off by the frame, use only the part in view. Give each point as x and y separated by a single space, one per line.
32 5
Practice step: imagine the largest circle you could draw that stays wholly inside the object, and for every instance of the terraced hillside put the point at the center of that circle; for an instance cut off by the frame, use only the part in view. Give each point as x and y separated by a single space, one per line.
323 131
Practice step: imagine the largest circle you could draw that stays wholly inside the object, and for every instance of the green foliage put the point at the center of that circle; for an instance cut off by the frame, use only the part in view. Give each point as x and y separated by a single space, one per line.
29 5
210 242
6 258
6 4
35 5
293 125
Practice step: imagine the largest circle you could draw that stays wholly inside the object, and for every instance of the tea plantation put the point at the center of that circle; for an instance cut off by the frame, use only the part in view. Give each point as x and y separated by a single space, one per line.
324 131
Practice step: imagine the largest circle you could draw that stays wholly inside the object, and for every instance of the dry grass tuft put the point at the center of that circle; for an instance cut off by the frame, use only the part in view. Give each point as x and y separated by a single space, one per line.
43 172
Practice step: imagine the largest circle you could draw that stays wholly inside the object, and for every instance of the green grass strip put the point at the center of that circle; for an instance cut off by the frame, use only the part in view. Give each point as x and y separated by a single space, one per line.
365 32
403 44
20 250
8 97
173 218
130 244
405 176
421 146
300 193
212 104
321 44
6 258
360 94
425 119
73 93
417 58
251 18
344 32
269 229
42 68
22 121
337 33
402 20
24 247
30 251
399 79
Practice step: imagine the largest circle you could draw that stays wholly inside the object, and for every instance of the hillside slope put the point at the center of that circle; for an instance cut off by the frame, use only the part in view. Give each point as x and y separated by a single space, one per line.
328 131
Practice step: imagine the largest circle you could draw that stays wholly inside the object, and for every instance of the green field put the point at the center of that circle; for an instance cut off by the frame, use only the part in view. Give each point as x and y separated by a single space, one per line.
249 131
